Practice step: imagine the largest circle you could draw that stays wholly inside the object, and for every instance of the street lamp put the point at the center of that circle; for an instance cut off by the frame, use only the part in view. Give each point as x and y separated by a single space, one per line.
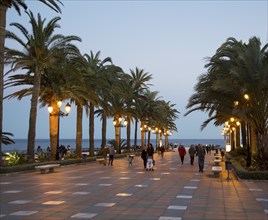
157 133
230 133
144 128
166 134
118 123
57 112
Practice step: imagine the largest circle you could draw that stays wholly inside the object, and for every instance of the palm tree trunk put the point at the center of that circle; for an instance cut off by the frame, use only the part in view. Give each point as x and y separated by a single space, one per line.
103 130
135 134
54 129
142 135
149 138
243 133
3 10
262 150
232 140
79 117
117 138
91 129
237 137
248 129
166 141
33 114
253 141
128 134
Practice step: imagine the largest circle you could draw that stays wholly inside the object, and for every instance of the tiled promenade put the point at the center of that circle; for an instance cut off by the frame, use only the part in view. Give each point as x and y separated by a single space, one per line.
93 191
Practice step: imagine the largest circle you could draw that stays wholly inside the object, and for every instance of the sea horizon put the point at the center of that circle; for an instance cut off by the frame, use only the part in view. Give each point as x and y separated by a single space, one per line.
21 144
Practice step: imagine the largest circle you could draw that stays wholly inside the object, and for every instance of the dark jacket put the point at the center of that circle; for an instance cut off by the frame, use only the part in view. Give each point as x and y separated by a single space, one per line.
144 154
150 151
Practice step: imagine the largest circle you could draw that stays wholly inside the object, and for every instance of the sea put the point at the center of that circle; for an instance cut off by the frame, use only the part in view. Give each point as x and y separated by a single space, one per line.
20 145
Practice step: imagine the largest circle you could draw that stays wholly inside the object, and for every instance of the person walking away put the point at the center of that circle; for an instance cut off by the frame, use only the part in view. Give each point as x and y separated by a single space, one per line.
144 157
182 153
192 153
201 157
162 150
150 152
111 155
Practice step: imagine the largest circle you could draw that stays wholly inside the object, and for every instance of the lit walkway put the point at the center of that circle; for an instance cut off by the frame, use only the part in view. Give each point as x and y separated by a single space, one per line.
93 191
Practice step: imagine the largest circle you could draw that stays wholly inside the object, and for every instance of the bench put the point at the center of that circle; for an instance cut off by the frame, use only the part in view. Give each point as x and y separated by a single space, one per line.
217 162
216 157
101 161
49 167
216 170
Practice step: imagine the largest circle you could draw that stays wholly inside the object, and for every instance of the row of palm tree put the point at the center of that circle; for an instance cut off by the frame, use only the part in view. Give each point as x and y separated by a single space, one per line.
237 69
56 70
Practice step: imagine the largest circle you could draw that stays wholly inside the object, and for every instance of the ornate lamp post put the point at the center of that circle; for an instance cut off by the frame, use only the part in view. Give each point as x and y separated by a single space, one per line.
144 128
56 113
157 133
166 134
226 134
231 132
118 123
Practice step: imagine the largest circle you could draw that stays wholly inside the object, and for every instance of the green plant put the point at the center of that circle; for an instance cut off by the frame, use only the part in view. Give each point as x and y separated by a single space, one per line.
242 161
14 158
71 155
42 156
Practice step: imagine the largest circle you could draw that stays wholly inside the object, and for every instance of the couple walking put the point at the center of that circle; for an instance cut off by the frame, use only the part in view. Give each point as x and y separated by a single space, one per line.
198 151
149 152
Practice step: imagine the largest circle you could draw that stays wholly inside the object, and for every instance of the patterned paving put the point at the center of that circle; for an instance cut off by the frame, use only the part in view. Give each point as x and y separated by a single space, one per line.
93 191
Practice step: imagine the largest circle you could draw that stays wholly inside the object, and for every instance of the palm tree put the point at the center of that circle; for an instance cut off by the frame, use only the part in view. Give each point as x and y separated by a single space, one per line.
4 5
39 53
6 139
107 79
97 74
139 82
57 83
235 70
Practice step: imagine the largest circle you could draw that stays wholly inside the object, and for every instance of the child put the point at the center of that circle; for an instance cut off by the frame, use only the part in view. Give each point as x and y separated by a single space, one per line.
130 159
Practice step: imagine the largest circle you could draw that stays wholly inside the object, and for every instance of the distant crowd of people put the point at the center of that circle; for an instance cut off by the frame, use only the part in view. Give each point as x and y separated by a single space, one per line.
62 152
198 151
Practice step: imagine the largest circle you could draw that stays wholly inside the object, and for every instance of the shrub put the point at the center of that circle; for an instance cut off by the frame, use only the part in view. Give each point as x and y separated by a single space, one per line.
14 158
239 151
252 173
71 155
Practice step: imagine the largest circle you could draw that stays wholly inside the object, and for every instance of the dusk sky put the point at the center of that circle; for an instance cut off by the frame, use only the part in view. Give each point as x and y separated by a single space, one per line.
168 39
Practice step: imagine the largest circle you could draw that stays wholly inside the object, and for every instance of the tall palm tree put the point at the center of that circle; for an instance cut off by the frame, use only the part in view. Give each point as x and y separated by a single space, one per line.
146 111
39 51
97 76
57 83
17 5
139 83
107 79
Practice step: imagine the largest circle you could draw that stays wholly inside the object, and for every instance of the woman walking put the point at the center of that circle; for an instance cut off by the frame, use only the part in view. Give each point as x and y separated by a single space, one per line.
182 153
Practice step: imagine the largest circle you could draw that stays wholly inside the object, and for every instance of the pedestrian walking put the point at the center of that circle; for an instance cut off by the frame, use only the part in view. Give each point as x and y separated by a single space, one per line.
182 153
150 150
144 157
162 150
150 154
201 152
192 153
111 155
